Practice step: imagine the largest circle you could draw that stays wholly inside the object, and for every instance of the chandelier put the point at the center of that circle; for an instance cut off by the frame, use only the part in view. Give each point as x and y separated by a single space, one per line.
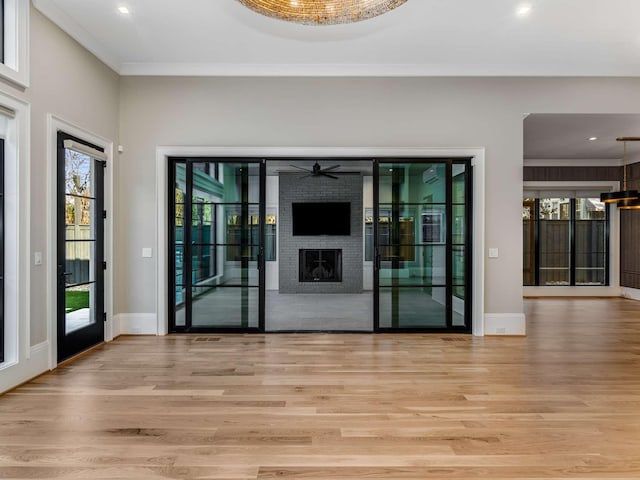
322 12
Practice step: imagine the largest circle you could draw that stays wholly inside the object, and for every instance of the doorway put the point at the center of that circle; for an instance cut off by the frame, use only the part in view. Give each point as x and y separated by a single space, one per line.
412 229
80 245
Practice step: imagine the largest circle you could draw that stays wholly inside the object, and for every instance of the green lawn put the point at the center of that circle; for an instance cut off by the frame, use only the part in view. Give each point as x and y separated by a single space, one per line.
75 300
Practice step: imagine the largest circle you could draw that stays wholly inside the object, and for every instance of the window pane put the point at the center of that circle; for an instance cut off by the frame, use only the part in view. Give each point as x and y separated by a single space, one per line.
413 182
413 307
78 261
554 251
180 305
225 307
79 307
555 209
270 235
590 209
528 242
459 185
459 224
78 174
429 266
591 242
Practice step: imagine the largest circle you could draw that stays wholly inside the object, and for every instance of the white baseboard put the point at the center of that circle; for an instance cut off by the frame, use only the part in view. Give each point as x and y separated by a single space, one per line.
631 293
135 324
13 375
585 291
505 324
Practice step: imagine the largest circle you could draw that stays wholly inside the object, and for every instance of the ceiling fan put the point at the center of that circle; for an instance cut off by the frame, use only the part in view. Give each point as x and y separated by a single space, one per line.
317 171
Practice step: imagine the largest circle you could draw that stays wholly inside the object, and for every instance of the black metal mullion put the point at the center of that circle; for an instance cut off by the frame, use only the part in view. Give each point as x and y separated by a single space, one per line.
244 242
262 214
376 246
572 242
215 231
448 243
468 249
536 241
187 265
607 250
394 234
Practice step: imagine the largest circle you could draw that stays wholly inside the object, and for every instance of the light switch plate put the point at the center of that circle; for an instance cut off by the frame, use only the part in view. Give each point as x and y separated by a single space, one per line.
37 258
493 253
147 253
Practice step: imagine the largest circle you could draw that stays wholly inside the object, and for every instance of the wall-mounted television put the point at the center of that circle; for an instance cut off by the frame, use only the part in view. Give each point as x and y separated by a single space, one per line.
329 218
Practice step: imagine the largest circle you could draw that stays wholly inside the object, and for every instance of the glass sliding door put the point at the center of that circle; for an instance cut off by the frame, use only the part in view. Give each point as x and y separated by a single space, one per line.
216 244
422 220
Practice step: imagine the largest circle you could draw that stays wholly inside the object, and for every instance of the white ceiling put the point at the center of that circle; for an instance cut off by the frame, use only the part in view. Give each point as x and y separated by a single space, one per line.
421 37
566 137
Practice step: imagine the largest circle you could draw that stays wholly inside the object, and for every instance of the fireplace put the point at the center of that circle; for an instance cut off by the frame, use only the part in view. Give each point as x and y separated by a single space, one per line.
320 265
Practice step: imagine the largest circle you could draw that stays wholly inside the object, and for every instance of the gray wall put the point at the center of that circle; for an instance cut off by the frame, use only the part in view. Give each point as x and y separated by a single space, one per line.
69 82
375 112
347 188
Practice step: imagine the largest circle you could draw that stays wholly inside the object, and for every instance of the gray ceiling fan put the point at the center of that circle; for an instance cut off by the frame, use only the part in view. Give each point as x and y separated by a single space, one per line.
317 171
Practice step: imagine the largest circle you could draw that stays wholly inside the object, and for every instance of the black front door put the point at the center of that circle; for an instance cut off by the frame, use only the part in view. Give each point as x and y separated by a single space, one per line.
80 246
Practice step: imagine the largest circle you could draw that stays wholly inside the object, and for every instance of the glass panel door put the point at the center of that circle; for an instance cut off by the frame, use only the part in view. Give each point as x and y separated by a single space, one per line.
217 255
421 234
80 250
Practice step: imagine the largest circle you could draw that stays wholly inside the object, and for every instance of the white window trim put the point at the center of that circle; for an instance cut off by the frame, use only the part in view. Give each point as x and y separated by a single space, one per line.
22 361
55 124
16 42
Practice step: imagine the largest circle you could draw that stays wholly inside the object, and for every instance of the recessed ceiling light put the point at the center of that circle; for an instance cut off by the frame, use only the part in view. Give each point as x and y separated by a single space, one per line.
124 10
593 138
524 10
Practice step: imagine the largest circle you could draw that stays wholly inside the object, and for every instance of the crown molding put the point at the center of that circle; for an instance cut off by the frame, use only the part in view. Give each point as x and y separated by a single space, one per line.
78 33
361 70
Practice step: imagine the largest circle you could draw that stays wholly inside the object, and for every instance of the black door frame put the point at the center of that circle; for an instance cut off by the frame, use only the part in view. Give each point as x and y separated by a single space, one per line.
79 340
448 162
189 161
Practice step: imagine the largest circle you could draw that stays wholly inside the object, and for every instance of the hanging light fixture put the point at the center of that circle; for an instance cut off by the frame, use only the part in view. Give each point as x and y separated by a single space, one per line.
322 12
625 196
629 205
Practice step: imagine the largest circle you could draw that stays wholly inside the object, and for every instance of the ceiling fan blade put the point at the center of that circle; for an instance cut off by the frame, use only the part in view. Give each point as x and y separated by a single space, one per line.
306 176
327 175
300 168
333 167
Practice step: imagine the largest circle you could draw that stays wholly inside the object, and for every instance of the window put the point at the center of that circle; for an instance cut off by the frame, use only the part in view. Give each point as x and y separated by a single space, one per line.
565 241
1 250
14 24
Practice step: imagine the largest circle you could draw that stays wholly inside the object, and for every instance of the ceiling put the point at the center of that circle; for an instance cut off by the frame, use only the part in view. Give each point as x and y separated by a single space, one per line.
419 38
566 137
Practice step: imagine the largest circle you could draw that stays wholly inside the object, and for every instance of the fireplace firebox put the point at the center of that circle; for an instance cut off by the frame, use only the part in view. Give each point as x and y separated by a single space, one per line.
323 265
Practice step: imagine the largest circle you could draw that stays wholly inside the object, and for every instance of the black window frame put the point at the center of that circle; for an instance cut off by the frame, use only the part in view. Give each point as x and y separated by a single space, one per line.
572 246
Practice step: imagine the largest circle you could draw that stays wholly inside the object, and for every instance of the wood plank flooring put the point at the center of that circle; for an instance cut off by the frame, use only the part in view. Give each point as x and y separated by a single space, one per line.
562 403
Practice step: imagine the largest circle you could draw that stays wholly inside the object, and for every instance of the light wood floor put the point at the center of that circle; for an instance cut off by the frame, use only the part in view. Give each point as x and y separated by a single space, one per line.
562 403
